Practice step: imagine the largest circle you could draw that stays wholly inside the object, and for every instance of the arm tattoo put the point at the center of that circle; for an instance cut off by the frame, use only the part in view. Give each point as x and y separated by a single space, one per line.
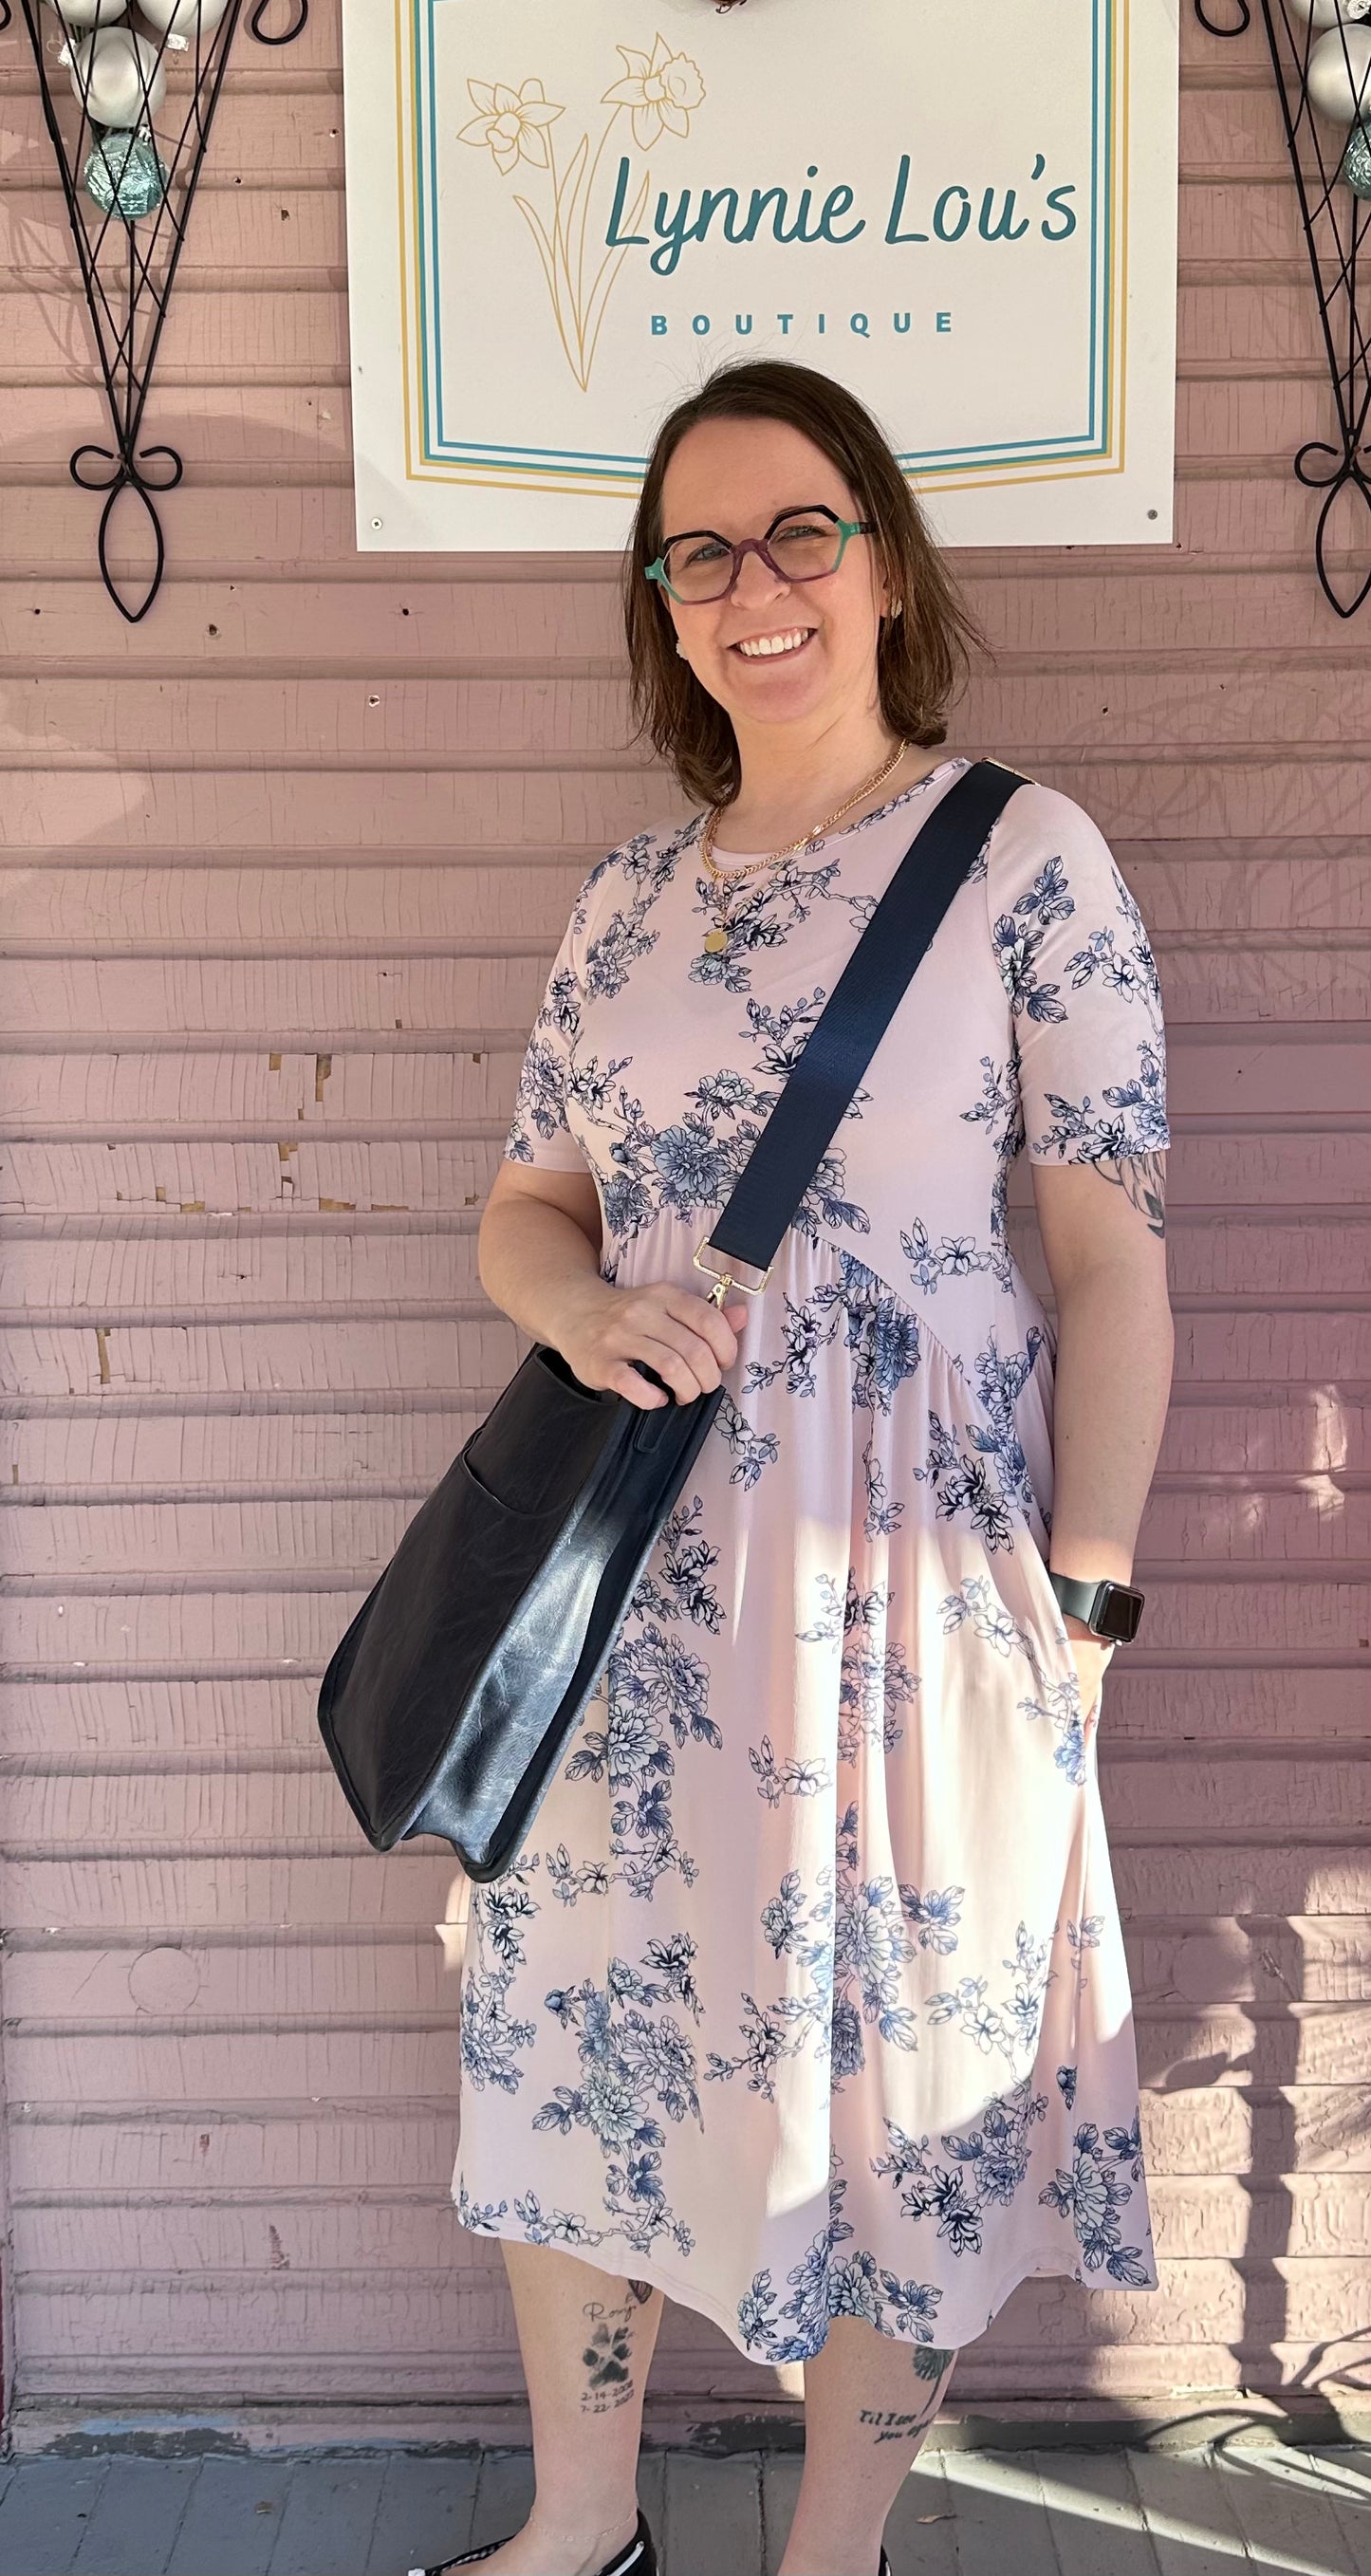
1143 1176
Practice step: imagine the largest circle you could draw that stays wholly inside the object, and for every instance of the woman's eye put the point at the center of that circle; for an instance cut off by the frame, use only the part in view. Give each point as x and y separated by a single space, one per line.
706 550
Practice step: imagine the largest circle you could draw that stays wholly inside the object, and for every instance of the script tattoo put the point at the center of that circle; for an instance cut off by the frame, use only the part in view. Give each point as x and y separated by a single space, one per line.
1143 1177
608 2357
890 2426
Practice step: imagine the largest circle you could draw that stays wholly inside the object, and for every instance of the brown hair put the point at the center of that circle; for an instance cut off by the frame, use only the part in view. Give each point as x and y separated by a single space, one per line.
920 656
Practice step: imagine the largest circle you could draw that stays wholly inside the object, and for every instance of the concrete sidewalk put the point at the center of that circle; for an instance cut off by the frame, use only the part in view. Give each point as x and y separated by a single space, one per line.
1281 2511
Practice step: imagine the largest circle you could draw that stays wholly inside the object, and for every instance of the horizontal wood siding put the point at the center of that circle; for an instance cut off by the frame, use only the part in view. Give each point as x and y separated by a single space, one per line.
283 869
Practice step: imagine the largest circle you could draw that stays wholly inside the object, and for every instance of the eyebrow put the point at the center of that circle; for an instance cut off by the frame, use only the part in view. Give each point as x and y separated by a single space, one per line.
789 512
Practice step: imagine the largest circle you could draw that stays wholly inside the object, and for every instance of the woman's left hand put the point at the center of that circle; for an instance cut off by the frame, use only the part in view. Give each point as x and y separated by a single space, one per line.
1091 1655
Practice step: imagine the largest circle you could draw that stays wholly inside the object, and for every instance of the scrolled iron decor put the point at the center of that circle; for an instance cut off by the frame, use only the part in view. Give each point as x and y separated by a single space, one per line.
129 175
1321 57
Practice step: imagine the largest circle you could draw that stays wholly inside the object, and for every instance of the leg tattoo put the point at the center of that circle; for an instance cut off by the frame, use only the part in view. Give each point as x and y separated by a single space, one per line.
1143 1177
608 2357
931 2364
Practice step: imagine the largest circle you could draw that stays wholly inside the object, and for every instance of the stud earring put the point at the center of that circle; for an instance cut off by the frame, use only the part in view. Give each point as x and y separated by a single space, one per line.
896 608
680 647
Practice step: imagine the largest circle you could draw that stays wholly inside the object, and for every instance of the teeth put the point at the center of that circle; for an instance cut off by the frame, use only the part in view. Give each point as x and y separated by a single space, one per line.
776 643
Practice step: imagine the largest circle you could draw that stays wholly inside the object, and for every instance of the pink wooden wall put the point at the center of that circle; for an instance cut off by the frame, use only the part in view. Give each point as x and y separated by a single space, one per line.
285 866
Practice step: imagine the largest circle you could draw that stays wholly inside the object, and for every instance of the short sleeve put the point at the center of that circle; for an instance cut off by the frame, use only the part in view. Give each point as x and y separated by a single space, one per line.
538 1132
1081 980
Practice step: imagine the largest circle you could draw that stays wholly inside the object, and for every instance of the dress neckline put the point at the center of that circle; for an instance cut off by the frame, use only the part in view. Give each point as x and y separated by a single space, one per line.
877 815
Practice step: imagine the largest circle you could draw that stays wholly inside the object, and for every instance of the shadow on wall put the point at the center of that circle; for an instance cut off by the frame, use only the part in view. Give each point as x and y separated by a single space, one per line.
1252 1969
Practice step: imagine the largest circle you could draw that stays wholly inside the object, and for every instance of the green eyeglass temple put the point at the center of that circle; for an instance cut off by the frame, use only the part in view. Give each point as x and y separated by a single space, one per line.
759 546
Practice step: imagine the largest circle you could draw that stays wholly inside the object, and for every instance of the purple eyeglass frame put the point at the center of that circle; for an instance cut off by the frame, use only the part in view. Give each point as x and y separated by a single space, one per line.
847 528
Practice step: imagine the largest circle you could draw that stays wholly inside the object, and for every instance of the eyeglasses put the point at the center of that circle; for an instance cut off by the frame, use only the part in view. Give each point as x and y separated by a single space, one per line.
799 545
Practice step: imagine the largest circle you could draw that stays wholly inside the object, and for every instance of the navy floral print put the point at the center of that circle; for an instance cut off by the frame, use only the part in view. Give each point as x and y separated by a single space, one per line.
807 1997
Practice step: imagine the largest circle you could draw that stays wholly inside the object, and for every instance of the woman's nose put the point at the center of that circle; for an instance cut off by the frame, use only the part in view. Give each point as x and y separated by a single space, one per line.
755 579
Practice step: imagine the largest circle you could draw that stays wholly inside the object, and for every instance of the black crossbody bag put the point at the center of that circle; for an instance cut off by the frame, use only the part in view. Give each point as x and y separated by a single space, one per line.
449 1704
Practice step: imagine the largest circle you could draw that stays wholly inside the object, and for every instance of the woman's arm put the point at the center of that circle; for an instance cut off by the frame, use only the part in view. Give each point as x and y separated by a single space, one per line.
538 1255
539 1245
1103 1228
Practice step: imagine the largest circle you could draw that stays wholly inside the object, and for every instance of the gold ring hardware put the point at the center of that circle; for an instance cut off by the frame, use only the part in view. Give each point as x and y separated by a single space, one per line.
726 1279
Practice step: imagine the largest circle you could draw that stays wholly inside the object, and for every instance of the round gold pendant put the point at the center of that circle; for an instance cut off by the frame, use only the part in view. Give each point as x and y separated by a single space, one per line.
715 942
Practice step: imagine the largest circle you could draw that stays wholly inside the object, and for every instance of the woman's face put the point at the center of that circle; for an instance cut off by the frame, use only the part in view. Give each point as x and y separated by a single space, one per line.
735 476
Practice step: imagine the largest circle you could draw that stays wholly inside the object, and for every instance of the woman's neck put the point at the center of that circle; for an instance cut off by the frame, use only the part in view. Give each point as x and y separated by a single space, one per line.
790 788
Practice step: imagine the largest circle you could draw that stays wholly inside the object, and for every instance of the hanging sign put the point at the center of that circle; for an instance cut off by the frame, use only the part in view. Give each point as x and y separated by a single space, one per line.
562 213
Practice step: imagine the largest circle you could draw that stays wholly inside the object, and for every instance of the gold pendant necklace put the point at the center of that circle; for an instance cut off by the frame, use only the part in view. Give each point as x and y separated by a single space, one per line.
716 940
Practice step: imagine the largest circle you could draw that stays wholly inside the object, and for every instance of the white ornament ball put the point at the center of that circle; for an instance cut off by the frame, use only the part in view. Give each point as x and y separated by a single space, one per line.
1330 13
117 77
1338 75
181 17
88 13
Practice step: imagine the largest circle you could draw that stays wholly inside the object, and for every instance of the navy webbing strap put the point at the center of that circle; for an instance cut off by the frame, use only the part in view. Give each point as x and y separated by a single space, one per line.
854 1019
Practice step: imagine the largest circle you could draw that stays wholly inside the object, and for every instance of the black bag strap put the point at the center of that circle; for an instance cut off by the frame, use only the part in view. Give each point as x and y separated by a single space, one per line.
844 1038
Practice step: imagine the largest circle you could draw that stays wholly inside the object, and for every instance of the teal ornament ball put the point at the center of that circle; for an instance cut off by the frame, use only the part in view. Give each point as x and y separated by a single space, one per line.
125 175
1356 162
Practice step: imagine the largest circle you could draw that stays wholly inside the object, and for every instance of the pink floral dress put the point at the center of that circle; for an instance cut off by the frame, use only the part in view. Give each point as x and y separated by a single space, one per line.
807 1997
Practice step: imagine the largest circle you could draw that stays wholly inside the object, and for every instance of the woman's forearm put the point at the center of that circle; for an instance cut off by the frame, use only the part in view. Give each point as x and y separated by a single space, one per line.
1115 1349
538 1264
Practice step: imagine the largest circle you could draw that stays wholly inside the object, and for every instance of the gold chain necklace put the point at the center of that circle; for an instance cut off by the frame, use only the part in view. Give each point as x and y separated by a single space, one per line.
716 940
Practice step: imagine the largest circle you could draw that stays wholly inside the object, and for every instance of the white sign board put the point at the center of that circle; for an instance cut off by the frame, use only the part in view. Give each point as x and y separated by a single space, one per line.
561 213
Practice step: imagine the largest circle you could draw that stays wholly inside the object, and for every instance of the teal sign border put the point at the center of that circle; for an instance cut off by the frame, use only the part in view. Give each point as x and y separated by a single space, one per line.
438 448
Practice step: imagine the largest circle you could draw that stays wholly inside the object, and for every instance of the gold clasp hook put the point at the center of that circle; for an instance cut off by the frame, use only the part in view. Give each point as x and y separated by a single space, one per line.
726 1279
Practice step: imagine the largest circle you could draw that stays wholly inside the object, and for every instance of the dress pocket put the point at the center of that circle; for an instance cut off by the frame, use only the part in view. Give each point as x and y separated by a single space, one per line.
1043 1615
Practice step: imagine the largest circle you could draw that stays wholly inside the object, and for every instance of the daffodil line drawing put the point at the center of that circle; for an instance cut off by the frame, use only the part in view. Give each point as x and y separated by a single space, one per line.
511 121
662 88
660 92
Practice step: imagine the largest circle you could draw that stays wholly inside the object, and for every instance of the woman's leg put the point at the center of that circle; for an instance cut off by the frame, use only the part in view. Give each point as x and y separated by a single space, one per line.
586 2338
869 2401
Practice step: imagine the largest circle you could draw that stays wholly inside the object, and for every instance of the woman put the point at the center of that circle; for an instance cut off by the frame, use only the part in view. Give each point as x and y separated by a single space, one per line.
806 2003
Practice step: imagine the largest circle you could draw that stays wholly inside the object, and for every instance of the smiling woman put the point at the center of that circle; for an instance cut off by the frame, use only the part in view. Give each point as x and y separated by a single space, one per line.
924 634
806 2003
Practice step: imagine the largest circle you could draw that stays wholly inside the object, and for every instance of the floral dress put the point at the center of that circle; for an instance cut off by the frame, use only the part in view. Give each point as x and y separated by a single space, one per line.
807 1996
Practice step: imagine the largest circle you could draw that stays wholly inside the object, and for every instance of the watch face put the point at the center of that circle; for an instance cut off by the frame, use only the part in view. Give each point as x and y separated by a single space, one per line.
1117 1615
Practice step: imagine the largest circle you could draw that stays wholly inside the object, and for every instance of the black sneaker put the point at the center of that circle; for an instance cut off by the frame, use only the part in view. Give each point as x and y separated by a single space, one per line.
638 2559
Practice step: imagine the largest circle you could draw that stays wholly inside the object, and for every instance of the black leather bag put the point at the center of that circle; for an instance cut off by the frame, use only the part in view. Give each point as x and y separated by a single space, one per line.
449 1703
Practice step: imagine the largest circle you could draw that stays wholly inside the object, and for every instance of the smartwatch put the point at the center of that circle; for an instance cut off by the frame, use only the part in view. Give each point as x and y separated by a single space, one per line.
1109 1610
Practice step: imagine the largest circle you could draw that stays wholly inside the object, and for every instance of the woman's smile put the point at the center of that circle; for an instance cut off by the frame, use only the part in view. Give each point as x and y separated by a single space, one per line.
784 640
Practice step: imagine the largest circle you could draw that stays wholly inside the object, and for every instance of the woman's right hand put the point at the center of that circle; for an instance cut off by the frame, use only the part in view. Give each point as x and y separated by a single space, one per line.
686 1340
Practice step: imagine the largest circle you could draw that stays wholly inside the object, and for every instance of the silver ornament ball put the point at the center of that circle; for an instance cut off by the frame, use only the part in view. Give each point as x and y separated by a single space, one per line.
1337 76
125 175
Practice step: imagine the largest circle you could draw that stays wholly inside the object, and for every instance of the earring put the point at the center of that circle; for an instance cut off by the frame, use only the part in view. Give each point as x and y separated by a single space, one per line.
680 647
896 608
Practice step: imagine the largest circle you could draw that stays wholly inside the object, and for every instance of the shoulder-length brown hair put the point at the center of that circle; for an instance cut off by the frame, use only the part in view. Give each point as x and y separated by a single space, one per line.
921 655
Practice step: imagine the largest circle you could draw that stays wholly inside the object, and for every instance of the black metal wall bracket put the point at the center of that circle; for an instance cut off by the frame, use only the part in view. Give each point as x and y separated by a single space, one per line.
1331 162
129 147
